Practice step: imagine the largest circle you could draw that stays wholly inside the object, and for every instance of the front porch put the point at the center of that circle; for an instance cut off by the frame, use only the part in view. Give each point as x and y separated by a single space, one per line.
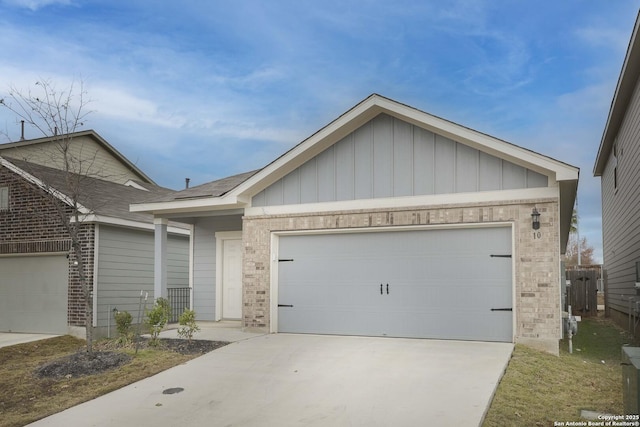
214 290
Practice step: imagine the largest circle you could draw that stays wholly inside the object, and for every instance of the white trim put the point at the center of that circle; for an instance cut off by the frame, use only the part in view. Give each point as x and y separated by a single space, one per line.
132 183
374 105
221 236
96 252
275 241
91 134
133 224
348 122
34 254
192 205
514 297
410 201
273 281
191 262
39 183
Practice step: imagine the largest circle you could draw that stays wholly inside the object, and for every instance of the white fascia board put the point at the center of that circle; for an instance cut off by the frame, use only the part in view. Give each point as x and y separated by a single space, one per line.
191 205
374 105
409 202
312 146
481 141
119 222
39 183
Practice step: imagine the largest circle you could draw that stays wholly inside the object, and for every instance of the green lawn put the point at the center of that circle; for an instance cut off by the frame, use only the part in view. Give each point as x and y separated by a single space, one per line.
539 389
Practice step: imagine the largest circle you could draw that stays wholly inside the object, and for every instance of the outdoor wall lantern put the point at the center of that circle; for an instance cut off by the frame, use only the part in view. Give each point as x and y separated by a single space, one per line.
535 219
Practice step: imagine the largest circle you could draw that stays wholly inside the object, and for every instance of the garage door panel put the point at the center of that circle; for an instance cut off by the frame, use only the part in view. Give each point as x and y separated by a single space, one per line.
334 321
33 294
442 284
314 295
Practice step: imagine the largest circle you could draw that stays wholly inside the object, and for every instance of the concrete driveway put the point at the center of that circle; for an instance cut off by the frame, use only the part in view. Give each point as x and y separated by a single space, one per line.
11 338
310 380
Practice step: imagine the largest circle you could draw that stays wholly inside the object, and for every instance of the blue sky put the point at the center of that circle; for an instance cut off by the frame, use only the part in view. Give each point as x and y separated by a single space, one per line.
206 89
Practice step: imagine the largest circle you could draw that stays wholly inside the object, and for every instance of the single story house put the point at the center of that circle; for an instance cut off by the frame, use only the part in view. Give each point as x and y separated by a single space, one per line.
388 221
39 285
617 164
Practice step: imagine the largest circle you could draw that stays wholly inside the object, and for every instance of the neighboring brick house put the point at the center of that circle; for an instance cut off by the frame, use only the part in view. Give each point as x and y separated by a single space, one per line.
39 286
387 222
617 164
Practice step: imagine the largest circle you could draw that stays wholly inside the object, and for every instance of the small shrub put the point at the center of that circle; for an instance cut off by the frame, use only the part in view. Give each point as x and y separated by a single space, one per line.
188 325
124 320
157 318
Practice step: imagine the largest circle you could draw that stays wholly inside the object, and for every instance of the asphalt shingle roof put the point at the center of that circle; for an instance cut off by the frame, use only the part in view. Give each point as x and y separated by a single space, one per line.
210 189
103 198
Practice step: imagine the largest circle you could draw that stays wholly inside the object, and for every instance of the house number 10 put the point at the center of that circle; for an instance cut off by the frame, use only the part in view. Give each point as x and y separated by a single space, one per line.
537 235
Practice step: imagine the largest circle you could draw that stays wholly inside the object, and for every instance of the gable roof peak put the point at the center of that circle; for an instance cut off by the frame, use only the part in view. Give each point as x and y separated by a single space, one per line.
90 133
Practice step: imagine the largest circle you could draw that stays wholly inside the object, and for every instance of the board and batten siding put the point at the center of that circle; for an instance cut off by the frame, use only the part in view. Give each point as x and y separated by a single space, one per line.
620 219
125 267
388 157
204 261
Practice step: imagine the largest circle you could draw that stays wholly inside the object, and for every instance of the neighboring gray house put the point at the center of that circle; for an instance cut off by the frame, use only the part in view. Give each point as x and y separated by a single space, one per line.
386 222
618 166
39 288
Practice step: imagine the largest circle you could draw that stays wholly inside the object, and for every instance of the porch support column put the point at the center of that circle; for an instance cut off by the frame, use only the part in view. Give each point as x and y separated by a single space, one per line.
160 259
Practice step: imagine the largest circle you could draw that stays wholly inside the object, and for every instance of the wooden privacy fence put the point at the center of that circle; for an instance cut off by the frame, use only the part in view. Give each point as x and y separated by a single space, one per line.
583 292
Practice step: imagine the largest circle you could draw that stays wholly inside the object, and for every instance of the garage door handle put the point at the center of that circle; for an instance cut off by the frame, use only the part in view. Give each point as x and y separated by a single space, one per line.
387 289
285 305
502 309
380 288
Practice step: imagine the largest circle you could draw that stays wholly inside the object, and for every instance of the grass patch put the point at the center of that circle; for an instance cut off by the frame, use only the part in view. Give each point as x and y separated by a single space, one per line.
24 398
539 388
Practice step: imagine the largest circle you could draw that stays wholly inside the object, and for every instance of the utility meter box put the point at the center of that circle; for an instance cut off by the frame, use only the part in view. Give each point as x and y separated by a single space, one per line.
631 379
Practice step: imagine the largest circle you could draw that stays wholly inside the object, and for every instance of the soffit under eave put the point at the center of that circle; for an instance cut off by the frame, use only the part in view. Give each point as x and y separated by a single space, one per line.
568 193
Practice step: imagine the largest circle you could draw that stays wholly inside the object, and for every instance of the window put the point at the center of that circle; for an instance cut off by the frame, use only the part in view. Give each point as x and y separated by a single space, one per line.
4 198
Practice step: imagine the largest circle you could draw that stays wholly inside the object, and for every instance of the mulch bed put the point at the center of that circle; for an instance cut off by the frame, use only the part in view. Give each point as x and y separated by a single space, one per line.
105 357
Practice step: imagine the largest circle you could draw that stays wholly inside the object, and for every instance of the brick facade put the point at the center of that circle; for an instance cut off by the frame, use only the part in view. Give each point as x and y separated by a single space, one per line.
32 225
536 256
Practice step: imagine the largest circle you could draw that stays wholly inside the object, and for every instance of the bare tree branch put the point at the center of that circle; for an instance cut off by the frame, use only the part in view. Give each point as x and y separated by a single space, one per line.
58 114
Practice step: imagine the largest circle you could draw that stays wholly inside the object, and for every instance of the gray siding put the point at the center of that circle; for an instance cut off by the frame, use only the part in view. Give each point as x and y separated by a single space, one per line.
388 157
204 261
620 219
125 267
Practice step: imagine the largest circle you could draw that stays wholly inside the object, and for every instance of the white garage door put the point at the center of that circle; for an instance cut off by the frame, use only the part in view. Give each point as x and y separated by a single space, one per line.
33 294
444 283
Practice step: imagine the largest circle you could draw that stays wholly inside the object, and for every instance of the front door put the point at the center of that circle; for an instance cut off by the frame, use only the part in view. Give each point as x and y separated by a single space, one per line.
232 279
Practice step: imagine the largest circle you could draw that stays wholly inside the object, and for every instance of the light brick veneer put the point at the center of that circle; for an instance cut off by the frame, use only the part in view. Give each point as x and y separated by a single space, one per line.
536 259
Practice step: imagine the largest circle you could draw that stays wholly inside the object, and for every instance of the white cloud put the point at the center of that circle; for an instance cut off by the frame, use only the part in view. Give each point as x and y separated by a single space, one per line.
608 37
35 4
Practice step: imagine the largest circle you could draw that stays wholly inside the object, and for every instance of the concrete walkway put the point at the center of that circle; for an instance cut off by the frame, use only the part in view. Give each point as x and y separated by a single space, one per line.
309 380
224 330
10 338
